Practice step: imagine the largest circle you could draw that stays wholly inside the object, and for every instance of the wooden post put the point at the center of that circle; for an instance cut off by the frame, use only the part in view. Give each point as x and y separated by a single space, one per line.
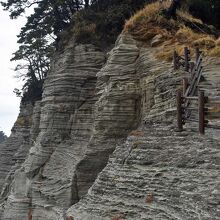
179 111
69 218
175 60
191 66
186 57
197 52
201 112
185 85
30 214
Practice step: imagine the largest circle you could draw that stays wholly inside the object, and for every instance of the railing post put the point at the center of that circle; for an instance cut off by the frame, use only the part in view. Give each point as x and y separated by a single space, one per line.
186 57
185 84
191 66
30 214
175 60
201 109
179 110
197 52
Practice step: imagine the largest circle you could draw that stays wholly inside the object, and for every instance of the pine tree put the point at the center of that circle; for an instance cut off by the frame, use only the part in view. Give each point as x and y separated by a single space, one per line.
48 20
36 39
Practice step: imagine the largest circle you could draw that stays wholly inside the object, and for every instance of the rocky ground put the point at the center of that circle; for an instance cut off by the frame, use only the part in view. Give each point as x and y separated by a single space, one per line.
157 173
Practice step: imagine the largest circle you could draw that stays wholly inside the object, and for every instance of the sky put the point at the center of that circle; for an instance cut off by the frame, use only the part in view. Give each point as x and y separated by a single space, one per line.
9 103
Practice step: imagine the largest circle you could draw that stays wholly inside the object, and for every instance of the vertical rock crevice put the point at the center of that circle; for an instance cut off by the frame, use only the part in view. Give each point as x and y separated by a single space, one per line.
117 110
66 124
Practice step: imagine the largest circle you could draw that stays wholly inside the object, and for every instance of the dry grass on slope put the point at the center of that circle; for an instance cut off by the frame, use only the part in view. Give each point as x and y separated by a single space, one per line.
173 34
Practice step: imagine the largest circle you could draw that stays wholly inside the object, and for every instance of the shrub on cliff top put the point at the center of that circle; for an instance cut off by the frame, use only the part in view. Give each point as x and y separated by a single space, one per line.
95 21
104 20
175 34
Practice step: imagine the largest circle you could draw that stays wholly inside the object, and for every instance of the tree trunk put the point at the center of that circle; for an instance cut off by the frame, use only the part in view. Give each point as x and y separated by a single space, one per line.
171 12
86 3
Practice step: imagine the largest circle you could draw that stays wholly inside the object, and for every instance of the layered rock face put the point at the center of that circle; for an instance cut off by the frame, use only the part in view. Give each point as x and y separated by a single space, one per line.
79 130
91 107
156 173
65 128
80 125
14 150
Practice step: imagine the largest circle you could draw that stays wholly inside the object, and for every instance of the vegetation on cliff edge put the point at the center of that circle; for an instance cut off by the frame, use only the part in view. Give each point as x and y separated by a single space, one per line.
174 34
99 22
93 21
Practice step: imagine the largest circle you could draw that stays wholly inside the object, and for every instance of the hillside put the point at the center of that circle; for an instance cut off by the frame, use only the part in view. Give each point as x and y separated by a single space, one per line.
172 34
102 142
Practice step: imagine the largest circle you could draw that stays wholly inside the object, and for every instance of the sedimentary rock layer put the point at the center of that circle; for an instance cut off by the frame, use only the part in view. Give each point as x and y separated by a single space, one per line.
15 149
89 108
157 173
65 129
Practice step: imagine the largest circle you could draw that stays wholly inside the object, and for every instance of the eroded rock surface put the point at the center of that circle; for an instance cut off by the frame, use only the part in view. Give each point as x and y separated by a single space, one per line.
89 109
65 128
157 173
15 149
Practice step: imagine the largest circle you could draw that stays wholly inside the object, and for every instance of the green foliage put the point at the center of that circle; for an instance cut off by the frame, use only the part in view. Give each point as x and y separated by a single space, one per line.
84 27
37 38
104 20
33 68
99 21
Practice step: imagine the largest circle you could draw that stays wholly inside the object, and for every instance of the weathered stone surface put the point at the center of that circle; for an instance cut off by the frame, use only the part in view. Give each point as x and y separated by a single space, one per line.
157 40
158 174
87 111
65 126
116 110
20 131
63 167
14 150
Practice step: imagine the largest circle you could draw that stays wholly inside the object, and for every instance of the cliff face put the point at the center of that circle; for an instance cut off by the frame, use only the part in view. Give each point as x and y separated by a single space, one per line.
157 173
79 129
15 149
65 125
89 108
